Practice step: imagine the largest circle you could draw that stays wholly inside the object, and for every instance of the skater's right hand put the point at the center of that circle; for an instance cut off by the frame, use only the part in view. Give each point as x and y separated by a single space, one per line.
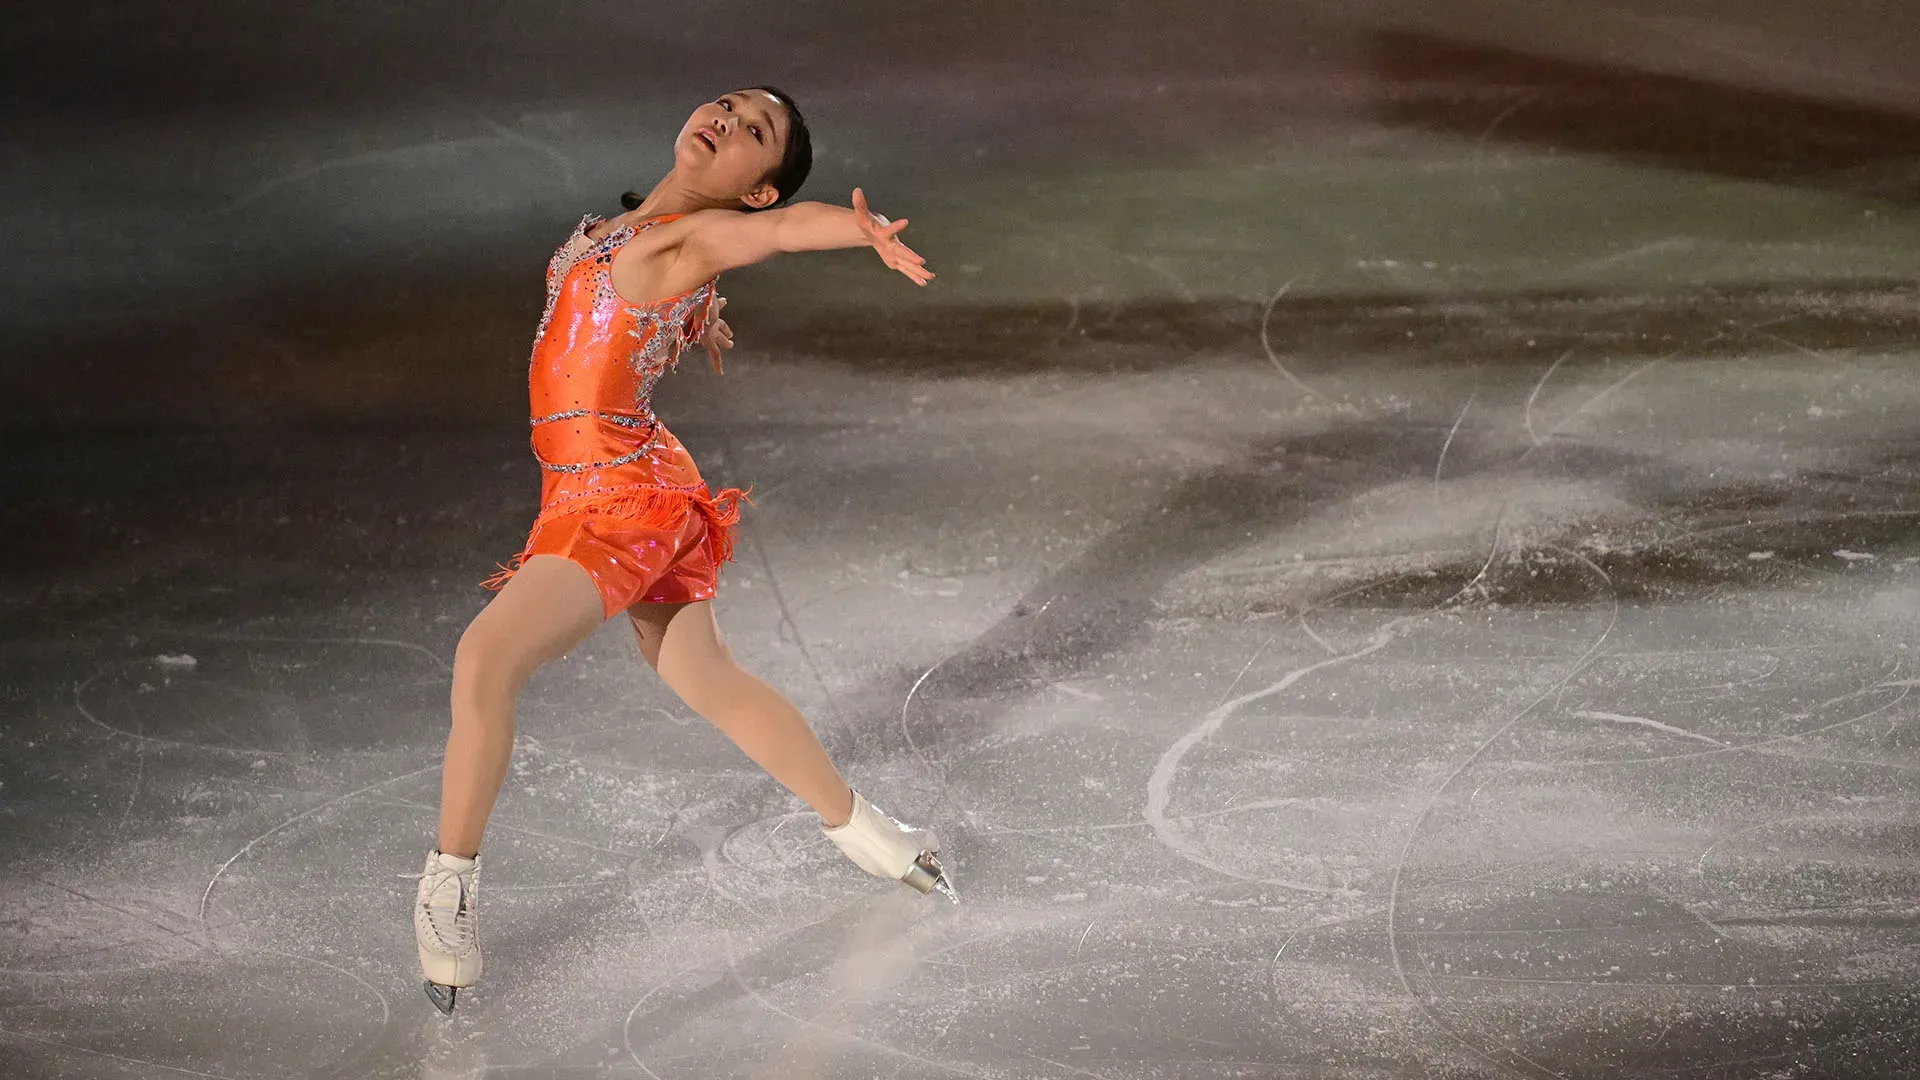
885 238
718 336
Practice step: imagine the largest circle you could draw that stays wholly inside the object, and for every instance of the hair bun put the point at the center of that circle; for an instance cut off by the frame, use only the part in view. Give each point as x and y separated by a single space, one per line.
632 200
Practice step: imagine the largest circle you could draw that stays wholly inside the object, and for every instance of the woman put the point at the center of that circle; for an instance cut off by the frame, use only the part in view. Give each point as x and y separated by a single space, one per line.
626 523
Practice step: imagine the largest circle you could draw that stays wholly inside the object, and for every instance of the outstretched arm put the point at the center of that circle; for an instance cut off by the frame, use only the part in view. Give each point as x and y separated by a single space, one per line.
726 240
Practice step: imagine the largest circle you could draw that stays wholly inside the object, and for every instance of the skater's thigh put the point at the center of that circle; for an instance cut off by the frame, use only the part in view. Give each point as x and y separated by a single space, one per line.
549 605
682 642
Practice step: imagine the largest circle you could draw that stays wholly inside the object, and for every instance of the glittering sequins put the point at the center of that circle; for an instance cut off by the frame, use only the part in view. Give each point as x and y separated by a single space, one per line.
612 418
633 455
606 354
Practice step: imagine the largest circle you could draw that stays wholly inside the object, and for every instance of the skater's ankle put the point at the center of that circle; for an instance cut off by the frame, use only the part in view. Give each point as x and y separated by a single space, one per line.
844 818
470 856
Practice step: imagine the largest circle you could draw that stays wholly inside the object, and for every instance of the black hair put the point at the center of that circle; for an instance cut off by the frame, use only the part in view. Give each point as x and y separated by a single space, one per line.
796 161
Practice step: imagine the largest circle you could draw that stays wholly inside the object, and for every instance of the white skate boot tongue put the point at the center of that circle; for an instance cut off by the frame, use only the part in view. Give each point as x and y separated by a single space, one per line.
874 841
455 862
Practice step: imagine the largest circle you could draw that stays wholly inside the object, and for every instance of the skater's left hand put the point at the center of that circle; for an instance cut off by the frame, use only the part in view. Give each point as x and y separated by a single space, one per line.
884 235
718 337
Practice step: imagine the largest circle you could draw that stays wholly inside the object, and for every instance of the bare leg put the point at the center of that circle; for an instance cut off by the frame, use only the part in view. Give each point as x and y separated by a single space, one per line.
683 643
548 607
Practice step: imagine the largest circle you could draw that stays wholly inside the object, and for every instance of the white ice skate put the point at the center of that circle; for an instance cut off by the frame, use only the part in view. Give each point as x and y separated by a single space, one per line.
885 848
446 926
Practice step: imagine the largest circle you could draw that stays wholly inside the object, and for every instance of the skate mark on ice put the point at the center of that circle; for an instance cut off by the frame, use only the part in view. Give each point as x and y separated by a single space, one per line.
1395 886
1072 691
626 1027
1526 415
1477 788
1282 803
1612 388
80 705
1160 783
1829 760
1774 663
80 689
522 138
1793 519
1324 644
1520 980
1321 766
288 639
508 826
786 612
1441 463
1700 865
710 865
139 775
842 980
1905 688
1063 1065
1688 32
1619 718
1870 1037
1480 143
1266 344
906 730
1066 238
386 1011
1638 251
1709 924
1059 830
207 896
141 1062
190 939
396 156
1825 358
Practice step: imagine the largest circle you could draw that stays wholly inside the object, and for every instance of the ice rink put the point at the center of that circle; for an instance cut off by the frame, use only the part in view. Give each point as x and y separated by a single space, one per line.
1389 551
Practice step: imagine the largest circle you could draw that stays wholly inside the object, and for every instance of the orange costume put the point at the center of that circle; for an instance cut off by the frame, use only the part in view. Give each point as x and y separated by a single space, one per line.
619 495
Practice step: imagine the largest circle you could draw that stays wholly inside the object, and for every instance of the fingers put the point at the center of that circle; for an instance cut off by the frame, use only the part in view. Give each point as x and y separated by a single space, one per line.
885 236
908 261
717 342
915 270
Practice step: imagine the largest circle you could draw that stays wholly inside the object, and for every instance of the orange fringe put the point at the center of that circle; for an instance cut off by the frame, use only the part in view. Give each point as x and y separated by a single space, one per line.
642 506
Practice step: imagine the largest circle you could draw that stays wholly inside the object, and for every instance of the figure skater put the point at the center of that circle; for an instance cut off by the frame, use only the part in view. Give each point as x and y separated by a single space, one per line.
626 523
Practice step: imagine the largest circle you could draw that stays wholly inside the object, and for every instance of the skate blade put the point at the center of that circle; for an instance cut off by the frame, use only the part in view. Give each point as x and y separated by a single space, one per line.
442 997
926 875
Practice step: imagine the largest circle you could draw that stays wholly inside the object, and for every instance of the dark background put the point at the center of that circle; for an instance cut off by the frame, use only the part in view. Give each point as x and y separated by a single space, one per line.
1502 409
222 213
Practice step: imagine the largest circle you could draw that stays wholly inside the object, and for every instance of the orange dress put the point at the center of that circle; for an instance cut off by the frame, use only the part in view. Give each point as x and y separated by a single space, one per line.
619 495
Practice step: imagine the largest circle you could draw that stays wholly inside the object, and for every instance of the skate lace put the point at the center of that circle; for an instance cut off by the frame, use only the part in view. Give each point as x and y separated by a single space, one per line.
457 929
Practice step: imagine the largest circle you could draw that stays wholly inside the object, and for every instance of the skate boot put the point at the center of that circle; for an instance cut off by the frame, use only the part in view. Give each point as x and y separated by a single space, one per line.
885 848
446 927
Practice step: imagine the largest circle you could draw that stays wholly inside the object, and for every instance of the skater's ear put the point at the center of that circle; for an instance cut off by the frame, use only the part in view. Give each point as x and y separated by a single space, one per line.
796 157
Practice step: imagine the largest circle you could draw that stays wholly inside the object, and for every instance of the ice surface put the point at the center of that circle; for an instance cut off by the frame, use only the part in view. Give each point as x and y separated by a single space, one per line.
1440 603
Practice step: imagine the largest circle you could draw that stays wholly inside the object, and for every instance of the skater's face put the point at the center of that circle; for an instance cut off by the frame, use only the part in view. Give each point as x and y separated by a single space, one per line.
734 145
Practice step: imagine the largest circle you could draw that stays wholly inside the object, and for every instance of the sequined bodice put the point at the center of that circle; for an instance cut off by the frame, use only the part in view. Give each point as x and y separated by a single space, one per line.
596 357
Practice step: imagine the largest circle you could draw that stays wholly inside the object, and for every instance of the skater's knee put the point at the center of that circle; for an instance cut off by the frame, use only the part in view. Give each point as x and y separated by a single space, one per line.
489 660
